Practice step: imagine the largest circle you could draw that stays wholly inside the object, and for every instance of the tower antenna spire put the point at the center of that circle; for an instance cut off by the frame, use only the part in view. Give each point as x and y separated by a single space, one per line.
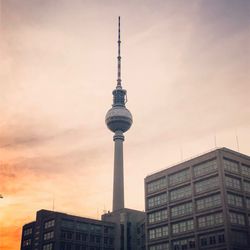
119 80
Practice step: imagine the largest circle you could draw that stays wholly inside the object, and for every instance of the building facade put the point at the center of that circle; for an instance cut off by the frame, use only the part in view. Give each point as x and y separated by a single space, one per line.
203 203
60 231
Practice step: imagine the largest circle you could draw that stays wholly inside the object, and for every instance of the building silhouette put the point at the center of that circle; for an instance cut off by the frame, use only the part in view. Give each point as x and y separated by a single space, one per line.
121 229
202 203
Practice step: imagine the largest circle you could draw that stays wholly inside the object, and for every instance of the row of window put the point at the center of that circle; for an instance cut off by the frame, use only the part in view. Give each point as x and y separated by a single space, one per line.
186 208
182 176
234 167
183 226
212 239
158 232
237 218
84 237
204 241
210 220
158 216
198 170
235 183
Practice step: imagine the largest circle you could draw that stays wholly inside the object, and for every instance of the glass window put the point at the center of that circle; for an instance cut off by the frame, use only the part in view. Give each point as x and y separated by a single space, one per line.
231 166
239 237
48 236
182 209
48 246
162 246
188 243
237 218
248 203
82 226
210 220
233 183
179 177
245 170
27 242
27 231
235 200
180 193
49 224
206 185
158 232
157 200
205 168
67 223
246 185
208 202
182 226
157 185
157 216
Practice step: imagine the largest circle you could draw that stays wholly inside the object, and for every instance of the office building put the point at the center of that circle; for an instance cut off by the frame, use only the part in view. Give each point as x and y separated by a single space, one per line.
202 203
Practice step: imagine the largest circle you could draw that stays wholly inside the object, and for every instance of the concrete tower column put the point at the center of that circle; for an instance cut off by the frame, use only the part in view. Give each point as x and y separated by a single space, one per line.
118 184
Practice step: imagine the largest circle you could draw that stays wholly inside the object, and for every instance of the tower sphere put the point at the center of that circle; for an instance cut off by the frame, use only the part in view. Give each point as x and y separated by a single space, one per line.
119 118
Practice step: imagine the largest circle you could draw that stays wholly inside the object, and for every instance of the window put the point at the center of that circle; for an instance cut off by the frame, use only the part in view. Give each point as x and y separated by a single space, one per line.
157 216
82 226
239 237
66 235
157 200
205 168
96 228
27 242
208 202
48 236
180 193
27 231
245 170
182 226
233 182
248 203
158 232
49 224
235 200
179 177
163 246
188 243
206 185
211 239
48 246
231 166
210 220
67 223
246 185
157 185
237 218
182 209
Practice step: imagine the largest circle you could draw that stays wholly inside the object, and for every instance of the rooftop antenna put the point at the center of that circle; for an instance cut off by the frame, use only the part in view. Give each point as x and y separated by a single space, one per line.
237 140
119 80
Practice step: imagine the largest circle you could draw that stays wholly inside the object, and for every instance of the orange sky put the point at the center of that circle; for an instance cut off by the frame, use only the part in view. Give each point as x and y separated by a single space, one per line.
185 65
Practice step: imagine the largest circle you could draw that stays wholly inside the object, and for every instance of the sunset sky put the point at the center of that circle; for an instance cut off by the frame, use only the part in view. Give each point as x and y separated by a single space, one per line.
185 65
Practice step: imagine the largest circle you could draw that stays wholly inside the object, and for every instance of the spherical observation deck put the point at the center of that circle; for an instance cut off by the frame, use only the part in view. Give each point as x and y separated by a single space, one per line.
119 119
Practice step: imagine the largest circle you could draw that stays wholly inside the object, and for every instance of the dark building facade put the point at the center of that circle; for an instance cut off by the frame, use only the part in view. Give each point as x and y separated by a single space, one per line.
60 231
203 203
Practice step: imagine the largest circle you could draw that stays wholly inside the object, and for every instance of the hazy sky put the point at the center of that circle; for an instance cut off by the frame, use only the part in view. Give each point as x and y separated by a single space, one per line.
185 65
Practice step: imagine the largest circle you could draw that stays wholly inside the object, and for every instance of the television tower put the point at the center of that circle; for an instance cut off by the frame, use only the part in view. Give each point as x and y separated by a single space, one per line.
118 120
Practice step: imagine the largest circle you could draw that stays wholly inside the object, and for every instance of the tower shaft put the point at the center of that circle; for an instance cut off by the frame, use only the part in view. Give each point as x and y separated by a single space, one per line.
118 185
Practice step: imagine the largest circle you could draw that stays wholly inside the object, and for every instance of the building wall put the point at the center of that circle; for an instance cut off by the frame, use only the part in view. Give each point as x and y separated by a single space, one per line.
59 231
202 203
